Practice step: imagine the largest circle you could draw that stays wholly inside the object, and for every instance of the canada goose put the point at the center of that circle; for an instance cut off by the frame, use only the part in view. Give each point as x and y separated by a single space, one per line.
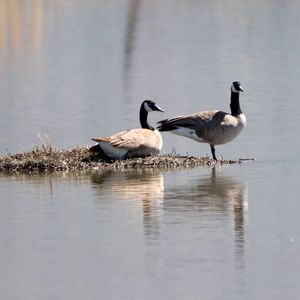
138 142
213 127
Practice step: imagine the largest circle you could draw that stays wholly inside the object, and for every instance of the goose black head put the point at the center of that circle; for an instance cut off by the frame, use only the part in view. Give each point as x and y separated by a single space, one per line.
150 105
236 87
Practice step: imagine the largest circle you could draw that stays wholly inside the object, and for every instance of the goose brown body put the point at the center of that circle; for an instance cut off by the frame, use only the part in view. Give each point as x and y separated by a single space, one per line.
213 127
139 142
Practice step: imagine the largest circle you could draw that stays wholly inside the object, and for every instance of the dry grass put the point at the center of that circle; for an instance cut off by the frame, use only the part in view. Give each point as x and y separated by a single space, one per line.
49 159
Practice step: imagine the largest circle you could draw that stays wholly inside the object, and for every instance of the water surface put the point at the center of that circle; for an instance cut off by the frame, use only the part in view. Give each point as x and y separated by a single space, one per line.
71 70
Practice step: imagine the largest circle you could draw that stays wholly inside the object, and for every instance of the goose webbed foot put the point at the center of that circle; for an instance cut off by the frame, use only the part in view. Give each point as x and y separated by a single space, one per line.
213 150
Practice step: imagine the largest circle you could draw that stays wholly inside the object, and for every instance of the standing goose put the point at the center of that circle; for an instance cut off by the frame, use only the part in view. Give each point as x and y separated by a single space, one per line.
213 127
138 142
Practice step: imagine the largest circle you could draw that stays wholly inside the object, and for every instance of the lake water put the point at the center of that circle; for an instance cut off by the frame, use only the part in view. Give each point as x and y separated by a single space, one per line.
72 70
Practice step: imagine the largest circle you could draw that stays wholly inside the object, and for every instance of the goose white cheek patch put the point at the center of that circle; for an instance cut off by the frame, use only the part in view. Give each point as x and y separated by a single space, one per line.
235 90
146 106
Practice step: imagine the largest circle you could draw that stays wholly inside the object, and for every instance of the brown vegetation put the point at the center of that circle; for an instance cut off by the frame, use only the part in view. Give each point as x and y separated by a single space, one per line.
51 159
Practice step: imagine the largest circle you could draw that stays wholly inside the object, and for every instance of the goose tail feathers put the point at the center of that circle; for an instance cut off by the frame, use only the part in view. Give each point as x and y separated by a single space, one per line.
165 125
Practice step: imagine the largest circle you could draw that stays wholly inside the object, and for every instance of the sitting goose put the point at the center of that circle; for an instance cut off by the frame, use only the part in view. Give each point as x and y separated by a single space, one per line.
138 142
213 127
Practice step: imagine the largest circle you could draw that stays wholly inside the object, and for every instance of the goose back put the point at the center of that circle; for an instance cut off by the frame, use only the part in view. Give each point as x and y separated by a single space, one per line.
132 143
138 142
212 127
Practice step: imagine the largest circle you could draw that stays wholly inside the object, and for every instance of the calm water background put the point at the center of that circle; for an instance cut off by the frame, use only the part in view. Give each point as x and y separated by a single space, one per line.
72 70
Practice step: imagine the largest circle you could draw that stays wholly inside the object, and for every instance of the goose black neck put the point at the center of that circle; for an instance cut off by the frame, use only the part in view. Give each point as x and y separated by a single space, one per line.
143 119
235 104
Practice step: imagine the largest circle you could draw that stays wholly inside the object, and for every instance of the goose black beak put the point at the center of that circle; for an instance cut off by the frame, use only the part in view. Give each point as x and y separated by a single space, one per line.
158 108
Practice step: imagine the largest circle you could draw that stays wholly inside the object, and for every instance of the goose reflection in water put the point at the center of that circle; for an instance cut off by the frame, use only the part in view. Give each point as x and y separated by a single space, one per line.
213 199
145 187
228 195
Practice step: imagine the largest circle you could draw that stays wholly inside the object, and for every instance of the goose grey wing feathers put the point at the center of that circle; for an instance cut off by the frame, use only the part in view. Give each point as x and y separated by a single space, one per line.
131 139
192 121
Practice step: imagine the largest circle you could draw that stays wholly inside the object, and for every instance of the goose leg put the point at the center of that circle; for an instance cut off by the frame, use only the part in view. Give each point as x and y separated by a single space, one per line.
212 148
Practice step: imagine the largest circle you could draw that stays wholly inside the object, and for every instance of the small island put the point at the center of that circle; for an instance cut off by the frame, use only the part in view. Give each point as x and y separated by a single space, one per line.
52 159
